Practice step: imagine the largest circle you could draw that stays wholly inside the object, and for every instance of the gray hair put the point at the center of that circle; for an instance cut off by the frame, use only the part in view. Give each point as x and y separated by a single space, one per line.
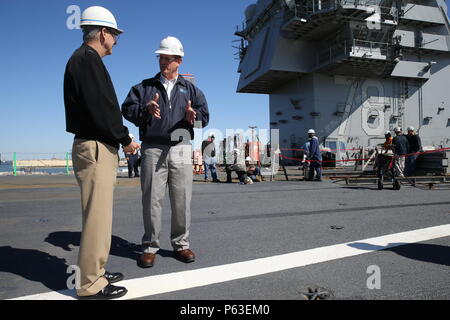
90 33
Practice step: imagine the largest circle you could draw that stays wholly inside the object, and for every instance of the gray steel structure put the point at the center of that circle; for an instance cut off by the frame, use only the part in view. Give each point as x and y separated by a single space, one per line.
350 69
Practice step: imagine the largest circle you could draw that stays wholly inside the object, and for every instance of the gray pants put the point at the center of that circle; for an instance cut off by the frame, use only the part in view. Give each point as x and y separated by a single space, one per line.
163 166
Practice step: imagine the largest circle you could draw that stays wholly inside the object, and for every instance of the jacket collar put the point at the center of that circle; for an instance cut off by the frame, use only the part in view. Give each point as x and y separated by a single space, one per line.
90 49
157 78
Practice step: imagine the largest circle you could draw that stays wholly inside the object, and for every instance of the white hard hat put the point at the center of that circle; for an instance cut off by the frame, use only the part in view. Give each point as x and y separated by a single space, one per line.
397 129
311 131
98 16
171 46
248 159
236 151
410 128
387 132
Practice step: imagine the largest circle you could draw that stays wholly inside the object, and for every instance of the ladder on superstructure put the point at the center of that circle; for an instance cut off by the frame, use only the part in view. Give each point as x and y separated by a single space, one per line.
404 93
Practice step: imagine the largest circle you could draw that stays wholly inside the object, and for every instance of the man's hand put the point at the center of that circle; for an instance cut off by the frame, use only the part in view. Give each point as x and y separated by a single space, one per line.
190 113
153 107
132 147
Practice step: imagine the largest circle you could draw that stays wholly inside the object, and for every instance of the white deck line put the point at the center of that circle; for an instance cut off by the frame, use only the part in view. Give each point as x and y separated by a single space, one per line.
170 282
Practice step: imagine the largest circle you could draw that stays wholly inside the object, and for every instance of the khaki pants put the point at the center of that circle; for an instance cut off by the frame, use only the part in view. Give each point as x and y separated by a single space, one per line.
95 165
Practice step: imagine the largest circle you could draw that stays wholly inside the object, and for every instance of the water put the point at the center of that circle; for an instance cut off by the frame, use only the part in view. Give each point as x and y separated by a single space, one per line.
7 169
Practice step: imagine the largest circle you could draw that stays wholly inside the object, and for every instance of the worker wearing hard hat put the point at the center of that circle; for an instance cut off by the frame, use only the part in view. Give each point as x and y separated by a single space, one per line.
315 157
238 166
93 115
415 146
387 145
253 170
165 108
305 150
401 147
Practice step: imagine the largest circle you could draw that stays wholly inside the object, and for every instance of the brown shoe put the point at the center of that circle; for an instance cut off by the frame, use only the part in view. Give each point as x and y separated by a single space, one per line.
185 255
146 260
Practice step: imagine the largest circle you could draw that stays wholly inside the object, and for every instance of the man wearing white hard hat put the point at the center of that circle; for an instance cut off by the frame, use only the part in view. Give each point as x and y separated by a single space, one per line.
253 171
315 157
387 145
165 108
93 115
415 146
401 147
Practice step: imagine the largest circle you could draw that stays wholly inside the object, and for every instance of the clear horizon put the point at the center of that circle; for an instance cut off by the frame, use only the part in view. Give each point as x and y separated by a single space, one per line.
33 121
32 106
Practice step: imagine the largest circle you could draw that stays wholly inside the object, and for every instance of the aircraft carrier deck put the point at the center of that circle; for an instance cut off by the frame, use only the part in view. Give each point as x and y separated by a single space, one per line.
268 240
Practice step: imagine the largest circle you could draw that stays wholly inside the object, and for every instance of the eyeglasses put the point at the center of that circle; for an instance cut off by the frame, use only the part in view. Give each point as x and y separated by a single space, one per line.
166 58
115 35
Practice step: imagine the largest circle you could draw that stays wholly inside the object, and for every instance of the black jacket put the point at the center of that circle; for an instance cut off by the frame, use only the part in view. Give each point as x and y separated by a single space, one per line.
415 144
92 109
152 130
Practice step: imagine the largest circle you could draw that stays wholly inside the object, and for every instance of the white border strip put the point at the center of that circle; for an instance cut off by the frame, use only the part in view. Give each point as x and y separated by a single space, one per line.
170 282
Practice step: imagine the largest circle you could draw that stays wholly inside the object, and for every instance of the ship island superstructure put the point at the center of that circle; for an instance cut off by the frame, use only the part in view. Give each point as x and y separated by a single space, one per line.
350 69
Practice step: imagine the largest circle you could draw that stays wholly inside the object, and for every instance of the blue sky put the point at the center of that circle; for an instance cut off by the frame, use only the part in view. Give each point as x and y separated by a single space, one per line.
37 45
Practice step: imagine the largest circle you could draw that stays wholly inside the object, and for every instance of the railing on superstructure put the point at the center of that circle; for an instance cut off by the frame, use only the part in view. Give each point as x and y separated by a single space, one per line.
254 26
364 3
354 48
308 8
258 23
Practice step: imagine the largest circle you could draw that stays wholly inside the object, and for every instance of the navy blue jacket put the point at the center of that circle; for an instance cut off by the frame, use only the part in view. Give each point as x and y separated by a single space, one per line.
314 152
152 130
401 145
414 143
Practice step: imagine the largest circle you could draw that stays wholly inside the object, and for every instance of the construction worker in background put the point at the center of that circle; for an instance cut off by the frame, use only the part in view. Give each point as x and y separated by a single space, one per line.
253 171
315 157
386 148
132 161
238 166
387 145
415 146
165 108
401 147
209 158
93 115
305 163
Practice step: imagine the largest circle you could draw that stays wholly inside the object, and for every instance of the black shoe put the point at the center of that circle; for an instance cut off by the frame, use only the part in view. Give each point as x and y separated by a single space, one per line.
216 180
113 277
107 293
